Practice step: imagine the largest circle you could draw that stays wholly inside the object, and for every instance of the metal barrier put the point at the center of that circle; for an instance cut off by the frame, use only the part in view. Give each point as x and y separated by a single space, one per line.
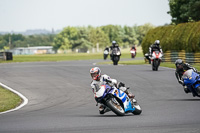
172 56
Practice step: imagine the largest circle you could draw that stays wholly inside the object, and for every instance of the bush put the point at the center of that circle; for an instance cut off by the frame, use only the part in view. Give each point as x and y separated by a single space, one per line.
185 36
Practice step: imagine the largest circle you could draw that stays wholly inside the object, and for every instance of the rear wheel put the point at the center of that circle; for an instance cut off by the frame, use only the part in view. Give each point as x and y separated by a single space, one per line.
115 106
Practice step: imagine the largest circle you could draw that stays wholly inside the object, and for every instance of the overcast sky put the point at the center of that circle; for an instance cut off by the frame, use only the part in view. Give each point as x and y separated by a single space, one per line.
20 15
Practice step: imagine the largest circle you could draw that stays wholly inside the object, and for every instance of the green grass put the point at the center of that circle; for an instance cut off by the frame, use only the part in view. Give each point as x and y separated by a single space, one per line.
63 57
141 62
8 100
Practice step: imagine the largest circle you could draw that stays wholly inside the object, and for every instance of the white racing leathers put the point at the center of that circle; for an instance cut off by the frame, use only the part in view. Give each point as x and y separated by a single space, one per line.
102 81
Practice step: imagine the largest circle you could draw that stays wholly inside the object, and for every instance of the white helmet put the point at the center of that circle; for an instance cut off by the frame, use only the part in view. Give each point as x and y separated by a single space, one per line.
157 42
95 73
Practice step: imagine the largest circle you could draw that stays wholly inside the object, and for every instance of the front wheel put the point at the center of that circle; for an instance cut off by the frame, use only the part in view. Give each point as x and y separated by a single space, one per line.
115 60
138 109
115 106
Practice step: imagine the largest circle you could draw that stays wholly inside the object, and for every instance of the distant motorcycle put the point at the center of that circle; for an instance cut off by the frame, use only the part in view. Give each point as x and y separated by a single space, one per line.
116 100
192 80
105 54
115 56
133 53
156 58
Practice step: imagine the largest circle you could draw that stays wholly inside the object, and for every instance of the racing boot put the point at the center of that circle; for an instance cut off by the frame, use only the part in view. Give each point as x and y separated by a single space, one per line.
103 109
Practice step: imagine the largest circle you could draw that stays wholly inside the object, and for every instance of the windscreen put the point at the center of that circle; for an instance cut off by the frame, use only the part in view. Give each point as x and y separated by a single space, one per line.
187 74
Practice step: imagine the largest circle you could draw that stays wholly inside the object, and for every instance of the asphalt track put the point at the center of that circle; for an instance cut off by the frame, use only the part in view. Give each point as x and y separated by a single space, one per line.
61 101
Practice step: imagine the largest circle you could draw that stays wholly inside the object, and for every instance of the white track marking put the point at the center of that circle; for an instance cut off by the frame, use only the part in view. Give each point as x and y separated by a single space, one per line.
25 100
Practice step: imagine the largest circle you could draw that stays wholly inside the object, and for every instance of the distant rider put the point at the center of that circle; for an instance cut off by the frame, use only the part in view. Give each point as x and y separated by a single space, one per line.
99 80
107 48
181 67
114 45
155 47
133 48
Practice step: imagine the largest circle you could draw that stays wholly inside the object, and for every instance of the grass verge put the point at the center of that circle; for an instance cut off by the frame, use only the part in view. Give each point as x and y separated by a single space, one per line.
8 100
142 62
62 57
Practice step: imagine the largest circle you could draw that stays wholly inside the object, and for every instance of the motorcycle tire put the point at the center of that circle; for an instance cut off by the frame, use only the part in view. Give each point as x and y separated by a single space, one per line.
105 56
153 67
115 60
115 106
138 109
157 65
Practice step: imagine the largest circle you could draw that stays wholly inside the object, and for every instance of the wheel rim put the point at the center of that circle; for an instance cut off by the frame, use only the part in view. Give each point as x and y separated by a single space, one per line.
117 106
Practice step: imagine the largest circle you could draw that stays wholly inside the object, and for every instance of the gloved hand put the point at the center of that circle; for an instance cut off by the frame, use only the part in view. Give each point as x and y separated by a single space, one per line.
120 84
181 82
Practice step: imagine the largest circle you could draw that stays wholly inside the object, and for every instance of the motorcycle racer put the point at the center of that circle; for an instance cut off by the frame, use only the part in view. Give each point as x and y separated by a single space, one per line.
99 80
181 67
154 47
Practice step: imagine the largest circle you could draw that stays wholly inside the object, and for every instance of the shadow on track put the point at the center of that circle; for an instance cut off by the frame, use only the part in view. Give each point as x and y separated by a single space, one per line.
106 115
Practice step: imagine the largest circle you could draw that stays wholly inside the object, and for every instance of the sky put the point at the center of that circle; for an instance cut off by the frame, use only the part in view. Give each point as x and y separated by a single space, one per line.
22 15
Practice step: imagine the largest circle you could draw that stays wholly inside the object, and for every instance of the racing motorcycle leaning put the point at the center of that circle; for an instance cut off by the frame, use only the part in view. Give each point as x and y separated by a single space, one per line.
192 80
115 56
133 53
156 58
116 100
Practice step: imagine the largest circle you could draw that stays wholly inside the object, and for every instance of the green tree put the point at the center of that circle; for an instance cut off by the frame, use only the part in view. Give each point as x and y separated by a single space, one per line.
184 10
113 32
96 35
130 36
61 42
142 30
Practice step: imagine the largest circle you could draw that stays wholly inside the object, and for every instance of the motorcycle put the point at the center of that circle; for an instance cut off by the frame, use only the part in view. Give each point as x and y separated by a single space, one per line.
116 100
156 58
115 56
105 54
192 80
133 53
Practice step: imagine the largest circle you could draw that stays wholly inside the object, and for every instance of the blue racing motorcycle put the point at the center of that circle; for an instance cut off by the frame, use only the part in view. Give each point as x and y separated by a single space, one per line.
192 80
116 100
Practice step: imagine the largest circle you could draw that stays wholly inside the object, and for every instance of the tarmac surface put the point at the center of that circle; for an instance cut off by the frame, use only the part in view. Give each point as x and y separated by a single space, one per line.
61 100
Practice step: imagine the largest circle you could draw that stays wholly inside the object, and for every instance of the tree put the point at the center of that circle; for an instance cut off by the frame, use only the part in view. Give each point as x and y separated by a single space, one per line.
129 37
141 31
113 32
184 10
61 42
96 35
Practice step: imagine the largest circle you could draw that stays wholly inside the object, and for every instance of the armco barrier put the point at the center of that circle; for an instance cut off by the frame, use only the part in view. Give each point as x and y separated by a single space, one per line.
172 56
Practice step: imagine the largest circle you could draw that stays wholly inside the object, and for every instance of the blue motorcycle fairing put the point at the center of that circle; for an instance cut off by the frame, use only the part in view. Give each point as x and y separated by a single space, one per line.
197 85
191 79
121 96
125 99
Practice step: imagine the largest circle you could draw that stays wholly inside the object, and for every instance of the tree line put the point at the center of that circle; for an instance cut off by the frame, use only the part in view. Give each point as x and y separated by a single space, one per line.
10 41
82 38
85 38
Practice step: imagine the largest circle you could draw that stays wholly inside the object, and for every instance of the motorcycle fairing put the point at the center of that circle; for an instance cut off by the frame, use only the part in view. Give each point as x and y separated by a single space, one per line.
191 79
125 99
